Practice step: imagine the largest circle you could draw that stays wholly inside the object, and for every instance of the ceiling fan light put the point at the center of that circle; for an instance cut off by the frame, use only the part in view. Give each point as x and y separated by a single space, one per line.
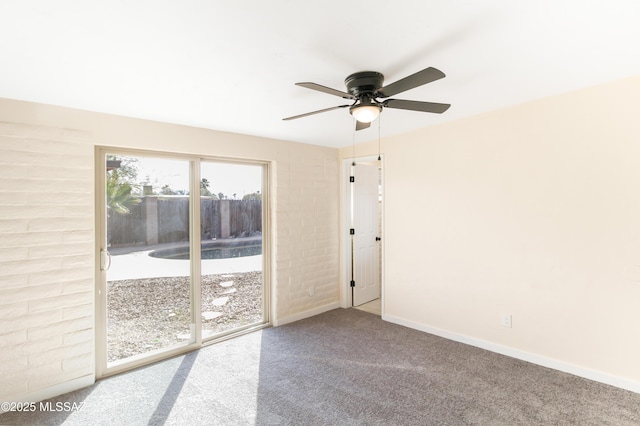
365 113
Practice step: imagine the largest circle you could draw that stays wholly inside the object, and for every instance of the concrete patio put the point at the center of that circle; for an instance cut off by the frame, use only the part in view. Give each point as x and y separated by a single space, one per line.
129 264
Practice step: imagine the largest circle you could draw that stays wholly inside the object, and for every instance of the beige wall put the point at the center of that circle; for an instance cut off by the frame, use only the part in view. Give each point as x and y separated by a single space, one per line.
532 211
47 232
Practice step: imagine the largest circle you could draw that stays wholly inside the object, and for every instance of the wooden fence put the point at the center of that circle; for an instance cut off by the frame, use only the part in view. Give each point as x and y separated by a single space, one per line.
165 219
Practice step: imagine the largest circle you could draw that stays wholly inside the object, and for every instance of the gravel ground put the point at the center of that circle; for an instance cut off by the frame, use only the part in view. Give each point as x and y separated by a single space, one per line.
153 313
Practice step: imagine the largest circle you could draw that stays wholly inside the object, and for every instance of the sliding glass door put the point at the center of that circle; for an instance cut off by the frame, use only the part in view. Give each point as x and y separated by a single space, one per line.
181 255
231 249
148 301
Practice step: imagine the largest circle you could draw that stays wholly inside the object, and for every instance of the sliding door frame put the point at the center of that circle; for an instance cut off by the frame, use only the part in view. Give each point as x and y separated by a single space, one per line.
102 367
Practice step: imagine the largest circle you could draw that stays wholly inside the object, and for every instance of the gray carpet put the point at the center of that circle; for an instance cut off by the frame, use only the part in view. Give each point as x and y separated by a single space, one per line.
344 367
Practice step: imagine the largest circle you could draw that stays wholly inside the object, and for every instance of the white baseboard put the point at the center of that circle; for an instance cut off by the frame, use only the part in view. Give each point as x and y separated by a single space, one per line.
306 314
53 391
555 364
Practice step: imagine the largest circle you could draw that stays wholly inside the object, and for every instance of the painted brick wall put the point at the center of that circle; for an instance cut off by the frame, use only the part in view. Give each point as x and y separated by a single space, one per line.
307 221
47 233
46 258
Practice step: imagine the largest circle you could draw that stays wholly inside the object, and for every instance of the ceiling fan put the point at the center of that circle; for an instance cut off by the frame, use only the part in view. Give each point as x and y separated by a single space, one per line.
365 87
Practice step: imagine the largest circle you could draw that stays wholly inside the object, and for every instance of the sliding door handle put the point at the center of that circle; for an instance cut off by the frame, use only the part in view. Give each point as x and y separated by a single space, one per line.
105 260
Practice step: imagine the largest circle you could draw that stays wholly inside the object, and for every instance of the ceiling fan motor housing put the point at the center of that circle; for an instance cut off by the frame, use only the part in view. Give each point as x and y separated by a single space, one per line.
364 83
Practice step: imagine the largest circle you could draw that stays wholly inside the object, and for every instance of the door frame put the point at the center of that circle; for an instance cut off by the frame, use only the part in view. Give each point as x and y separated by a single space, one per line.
346 298
102 369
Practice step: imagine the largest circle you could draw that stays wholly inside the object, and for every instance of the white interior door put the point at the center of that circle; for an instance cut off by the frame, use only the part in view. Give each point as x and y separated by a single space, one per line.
365 247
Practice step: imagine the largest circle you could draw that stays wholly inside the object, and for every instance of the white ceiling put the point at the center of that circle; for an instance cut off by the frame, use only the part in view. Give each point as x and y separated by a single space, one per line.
231 64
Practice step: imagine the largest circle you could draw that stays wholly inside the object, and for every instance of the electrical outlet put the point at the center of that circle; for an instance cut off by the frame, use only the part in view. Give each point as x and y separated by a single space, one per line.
312 291
505 320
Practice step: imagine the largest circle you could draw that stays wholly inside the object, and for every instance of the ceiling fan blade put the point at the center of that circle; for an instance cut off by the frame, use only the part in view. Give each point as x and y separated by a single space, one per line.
425 76
361 126
315 112
324 89
416 105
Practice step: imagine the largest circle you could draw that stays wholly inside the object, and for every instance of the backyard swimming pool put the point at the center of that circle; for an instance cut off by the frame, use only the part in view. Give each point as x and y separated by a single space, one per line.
213 250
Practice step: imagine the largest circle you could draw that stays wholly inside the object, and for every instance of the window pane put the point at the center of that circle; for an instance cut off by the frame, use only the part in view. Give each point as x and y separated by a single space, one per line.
231 251
148 290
